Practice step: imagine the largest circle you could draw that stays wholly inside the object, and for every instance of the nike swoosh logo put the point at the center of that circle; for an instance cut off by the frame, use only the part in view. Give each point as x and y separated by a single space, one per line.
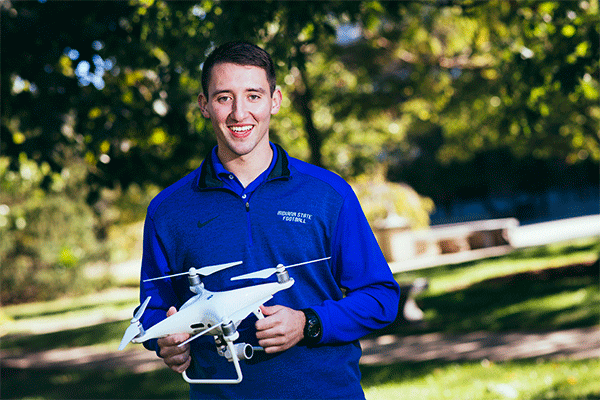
203 224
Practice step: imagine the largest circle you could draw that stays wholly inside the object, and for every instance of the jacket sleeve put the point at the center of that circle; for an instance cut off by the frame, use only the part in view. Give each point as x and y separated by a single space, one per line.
154 264
371 292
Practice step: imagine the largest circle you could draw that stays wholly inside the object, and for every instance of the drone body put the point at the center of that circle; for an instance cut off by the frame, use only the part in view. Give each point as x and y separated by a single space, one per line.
208 310
218 313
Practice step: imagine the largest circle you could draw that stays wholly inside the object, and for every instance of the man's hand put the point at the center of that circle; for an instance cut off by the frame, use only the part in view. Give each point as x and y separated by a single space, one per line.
281 329
176 358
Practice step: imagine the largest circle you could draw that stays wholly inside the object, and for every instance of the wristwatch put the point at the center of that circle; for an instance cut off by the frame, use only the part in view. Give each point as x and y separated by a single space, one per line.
312 328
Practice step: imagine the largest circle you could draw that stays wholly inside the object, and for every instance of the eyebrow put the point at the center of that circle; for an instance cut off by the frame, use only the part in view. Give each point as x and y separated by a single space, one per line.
259 90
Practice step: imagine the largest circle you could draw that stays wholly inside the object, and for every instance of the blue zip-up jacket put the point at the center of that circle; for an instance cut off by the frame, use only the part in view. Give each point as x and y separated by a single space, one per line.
299 212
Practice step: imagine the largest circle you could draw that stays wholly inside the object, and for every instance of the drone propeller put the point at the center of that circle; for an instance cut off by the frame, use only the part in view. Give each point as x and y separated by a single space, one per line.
267 272
204 271
134 328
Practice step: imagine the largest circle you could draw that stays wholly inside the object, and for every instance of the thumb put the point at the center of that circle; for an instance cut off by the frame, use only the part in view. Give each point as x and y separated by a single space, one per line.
171 311
270 310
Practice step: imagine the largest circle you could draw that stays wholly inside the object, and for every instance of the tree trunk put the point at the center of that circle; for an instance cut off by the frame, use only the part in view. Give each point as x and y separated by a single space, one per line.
302 98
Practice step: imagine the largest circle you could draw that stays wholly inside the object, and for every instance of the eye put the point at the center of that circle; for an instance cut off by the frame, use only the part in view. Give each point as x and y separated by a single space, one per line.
254 97
223 99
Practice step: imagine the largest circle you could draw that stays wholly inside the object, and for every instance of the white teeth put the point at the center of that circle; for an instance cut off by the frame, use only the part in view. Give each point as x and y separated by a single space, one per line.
241 128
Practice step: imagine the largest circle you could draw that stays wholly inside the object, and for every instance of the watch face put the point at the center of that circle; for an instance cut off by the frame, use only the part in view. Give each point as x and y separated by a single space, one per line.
313 327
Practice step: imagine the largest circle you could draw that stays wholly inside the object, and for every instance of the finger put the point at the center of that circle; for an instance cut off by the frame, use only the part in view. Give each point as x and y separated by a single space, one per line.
178 363
269 330
270 310
174 353
274 345
173 340
182 367
272 341
169 350
265 324
171 311
271 317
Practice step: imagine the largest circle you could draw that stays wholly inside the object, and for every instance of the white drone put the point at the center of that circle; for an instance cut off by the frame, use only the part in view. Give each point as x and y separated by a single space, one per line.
216 312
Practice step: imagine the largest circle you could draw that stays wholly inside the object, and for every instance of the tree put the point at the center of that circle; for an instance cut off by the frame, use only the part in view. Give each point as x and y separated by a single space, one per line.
542 85
109 88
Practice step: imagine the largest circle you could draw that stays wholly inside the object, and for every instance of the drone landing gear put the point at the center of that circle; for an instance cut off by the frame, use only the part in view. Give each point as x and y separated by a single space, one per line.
233 353
238 370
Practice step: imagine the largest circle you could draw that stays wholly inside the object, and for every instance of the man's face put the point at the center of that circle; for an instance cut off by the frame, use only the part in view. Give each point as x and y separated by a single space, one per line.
240 106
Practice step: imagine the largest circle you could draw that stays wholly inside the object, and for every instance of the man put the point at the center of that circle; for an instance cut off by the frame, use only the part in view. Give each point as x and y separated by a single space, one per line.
250 201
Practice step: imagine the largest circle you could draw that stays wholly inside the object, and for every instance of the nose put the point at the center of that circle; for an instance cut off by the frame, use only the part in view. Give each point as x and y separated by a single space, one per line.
239 110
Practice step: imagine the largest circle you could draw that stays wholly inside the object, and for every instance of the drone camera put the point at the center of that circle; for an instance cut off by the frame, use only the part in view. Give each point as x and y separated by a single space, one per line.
248 351
243 351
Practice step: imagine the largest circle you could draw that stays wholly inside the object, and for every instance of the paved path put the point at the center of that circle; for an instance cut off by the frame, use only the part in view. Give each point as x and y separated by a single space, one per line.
571 344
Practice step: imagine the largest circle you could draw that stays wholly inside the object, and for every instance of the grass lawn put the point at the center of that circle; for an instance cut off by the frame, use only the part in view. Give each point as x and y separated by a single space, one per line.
525 379
469 380
96 384
540 289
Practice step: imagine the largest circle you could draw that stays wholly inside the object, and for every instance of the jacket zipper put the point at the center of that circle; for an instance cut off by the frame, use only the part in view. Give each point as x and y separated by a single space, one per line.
246 199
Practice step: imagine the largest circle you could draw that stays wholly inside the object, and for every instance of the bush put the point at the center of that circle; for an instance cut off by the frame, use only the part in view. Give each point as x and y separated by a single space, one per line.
381 199
47 234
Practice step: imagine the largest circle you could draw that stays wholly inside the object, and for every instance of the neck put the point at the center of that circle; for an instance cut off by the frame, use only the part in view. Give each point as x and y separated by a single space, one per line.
248 167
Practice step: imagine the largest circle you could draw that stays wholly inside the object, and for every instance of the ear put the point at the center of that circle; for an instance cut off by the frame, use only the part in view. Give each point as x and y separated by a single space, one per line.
203 102
276 101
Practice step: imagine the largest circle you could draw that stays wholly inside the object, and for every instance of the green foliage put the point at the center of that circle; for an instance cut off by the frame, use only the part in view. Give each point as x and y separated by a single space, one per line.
542 90
381 199
496 172
46 235
108 89
522 75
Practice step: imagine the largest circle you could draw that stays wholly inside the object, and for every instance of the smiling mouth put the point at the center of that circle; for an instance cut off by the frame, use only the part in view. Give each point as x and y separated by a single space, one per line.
241 131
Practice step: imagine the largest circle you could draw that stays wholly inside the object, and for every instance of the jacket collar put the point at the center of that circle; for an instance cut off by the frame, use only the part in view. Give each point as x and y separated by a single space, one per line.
209 179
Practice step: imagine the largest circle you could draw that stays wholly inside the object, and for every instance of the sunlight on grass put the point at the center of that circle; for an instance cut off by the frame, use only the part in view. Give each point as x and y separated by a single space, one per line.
493 268
68 313
545 304
532 379
448 278
67 304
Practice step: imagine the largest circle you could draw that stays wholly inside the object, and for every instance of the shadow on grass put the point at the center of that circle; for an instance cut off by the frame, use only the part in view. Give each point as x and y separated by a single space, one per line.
86 336
534 300
104 384
521 301
375 375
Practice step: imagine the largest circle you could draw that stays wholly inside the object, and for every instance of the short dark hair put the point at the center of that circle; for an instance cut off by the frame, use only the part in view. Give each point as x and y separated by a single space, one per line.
241 53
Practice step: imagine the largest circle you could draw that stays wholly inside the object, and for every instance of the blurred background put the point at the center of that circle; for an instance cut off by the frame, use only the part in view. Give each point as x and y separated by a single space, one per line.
469 130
